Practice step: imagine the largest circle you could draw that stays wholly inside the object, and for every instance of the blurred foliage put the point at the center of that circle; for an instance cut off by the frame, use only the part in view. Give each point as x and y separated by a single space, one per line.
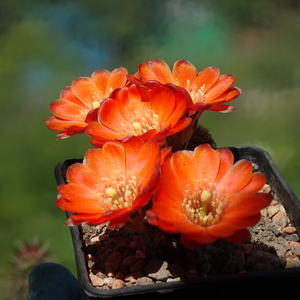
44 45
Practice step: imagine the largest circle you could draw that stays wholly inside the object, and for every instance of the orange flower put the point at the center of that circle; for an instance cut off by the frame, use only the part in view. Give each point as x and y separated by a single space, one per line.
112 183
78 103
151 111
205 196
208 89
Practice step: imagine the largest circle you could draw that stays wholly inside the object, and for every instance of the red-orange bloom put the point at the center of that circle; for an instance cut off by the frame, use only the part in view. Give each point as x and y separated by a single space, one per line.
205 196
208 89
152 111
112 183
78 103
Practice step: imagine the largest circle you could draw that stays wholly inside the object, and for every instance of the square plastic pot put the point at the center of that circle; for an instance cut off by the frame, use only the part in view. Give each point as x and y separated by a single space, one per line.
268 283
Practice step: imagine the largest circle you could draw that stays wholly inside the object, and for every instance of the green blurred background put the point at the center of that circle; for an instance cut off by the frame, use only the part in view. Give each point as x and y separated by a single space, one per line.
44 45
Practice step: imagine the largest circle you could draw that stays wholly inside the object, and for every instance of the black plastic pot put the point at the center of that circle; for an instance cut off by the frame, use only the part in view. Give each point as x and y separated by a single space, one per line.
279 282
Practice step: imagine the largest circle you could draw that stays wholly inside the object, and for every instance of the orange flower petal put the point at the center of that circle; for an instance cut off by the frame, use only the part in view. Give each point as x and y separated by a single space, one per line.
68 110
201 237
247 206
170 181
55 123
86 91
155 70
229 95
110 116
182 165
82 174
141 158
224 82
106 81
257 182
151 218
184 73
108 162
162 198
67 94
222 230
116 79
236 178
226 162
179 126
80 218
87 200
222 108
206 78
168 213
207 162
189 228
163 104
243 222
100 79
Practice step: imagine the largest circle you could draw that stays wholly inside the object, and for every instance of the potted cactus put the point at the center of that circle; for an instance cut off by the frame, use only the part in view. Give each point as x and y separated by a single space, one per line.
155 206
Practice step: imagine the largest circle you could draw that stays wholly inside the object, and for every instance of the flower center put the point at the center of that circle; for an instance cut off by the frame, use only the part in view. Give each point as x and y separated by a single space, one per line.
203 207
142 123
119 193
197 95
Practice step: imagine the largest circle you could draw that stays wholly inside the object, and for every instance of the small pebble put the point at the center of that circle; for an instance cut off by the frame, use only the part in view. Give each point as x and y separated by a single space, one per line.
173 279
273 210
96 281
95 239
144 281
158 270
281 221
134 276
108 281
289 230
117 284
291 238
295 244
292 263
